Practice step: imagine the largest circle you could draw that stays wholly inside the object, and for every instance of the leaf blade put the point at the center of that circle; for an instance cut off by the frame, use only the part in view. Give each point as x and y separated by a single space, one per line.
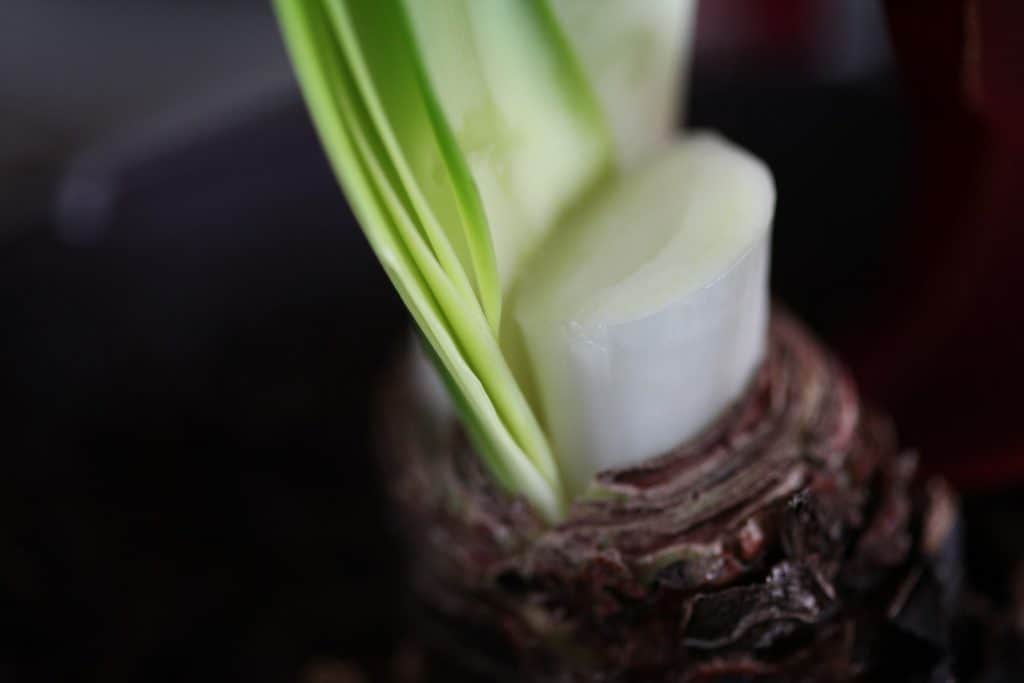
449 322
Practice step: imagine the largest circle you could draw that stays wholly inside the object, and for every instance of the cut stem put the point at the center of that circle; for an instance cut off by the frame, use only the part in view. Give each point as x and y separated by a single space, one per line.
646 316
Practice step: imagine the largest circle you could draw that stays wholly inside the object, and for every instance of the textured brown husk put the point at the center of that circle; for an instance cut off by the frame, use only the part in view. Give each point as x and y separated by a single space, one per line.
788 542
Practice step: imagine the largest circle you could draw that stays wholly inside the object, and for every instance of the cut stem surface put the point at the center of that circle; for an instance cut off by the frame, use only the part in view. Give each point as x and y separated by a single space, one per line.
645 317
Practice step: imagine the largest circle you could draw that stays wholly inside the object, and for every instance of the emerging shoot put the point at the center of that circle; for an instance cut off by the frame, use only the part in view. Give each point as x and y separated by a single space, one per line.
579 274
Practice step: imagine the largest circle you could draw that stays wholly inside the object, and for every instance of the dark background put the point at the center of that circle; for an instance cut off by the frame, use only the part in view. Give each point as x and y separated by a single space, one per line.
192 322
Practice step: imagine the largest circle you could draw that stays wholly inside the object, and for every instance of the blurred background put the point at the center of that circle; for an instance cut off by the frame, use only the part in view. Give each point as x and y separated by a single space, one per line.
192 323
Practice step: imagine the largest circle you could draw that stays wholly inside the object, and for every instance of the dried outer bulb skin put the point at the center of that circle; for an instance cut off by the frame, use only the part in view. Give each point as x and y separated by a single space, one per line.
787 541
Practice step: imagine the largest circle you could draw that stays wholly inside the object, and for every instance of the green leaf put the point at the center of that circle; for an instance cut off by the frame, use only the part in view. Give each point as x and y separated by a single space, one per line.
373 39
380 132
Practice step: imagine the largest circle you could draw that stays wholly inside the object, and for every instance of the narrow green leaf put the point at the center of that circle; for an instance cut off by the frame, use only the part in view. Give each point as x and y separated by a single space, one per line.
466 323
376 45
450 318
469 327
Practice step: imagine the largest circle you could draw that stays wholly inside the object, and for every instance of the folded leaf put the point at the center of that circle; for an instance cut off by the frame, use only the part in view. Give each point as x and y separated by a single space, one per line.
372 160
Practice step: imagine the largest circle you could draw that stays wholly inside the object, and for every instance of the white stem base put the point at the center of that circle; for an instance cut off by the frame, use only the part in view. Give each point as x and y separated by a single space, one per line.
646 317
